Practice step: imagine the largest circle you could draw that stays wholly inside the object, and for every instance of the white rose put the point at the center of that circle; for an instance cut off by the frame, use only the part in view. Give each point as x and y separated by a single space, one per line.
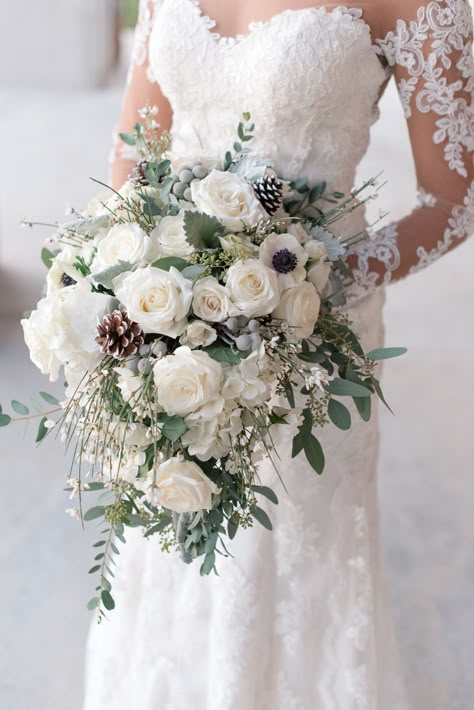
188 381
211 300
198 334
283 253
318 274
170 237
316 250
299 307
254 288
228 197
158 300
124 242
183 486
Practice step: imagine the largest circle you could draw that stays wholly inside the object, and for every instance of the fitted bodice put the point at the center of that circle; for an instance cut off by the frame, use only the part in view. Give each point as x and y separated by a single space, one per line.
296 74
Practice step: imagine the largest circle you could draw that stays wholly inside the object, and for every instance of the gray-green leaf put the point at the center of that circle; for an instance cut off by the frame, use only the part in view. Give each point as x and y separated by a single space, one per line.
339 414
385 353
345 388
202 230
314 453
262 517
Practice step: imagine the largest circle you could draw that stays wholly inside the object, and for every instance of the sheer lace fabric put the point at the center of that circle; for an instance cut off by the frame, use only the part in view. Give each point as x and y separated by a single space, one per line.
298 620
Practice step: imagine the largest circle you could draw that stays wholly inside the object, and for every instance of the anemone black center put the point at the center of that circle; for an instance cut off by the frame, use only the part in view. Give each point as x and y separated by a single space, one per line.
284 261
67 280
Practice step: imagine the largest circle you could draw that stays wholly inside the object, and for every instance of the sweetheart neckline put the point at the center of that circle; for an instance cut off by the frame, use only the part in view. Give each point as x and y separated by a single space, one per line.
355 15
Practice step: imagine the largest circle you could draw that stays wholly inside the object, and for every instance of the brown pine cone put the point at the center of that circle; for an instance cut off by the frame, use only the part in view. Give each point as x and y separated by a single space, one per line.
137 176
119 335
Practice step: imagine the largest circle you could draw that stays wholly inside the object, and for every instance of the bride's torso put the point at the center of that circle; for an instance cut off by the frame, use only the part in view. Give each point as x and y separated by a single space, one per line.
310 79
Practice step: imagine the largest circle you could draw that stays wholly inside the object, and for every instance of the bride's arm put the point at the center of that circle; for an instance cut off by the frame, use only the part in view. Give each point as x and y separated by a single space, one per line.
141 90
430 51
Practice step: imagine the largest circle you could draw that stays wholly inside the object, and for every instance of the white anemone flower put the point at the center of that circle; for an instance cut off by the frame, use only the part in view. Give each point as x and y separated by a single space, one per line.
285 255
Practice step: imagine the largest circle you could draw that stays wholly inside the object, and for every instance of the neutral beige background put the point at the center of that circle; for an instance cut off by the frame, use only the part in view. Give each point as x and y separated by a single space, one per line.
51 142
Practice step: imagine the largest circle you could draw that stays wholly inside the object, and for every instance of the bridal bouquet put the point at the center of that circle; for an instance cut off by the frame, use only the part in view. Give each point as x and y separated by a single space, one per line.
194 314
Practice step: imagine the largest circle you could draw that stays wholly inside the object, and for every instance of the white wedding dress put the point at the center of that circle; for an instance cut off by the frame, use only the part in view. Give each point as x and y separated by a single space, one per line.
298 619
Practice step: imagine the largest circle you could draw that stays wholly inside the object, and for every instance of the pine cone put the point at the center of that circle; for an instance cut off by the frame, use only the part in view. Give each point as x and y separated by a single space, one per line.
137 176
269 192
67 280
119 335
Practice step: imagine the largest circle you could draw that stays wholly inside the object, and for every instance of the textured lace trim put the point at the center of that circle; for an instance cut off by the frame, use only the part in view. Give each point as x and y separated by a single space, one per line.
446 26
255 25
460 226
381 246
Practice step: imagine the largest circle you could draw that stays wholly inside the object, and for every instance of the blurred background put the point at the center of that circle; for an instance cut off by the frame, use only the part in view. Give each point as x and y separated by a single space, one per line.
62 71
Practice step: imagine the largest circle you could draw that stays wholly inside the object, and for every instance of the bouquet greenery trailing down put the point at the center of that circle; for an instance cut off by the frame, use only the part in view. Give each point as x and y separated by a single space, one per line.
195 313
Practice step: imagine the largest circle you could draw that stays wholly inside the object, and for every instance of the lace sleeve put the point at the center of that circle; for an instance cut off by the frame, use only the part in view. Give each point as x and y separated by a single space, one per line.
141 89
430 52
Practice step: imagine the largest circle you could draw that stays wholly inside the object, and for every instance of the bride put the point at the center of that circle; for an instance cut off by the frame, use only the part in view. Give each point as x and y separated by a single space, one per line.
297 620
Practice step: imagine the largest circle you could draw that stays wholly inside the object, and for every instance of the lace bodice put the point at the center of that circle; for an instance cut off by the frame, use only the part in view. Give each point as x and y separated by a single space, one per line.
311 79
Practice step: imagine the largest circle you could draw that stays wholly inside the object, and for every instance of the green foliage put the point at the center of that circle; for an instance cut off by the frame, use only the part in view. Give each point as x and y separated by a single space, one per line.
202 231
224 353
5 420
42 430
49 398
20 408
166 262
267 492
303 432
261 516
47 257
346 388
93 513
339 414
173 427
314 453
385 353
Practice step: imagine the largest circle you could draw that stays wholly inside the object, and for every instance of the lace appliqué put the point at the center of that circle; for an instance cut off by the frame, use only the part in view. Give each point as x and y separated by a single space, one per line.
139 58
381 246
460 226
446 26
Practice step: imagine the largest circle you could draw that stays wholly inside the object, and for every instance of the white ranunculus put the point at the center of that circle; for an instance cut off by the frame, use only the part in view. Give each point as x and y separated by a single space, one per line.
319 274
254 288
297 230
198 334
45 336
64 327
170 237
299 307
182 486
284 254
188 381
124 242
228 197
242 244
211 300
158 300
213 437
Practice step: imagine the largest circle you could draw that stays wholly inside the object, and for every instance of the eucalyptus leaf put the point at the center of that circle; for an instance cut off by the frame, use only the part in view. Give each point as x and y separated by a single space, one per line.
42 430
94 569
4 420
208 564
49 398
222 353
364 407
166 262
232 526
314 453
385 353
93 603
19 407
346 388
107 600
158 527
97 511
47 257
128 138
267 492
173 428
262 517
339 414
